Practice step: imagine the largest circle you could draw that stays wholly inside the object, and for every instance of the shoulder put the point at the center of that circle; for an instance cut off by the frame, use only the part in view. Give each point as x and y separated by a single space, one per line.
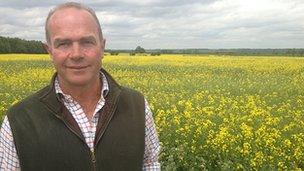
131 97
126 91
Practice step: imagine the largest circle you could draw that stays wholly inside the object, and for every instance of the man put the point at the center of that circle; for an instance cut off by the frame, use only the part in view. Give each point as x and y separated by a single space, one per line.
83 120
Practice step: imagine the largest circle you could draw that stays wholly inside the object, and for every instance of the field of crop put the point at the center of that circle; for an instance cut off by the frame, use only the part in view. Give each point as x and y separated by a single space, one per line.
211 112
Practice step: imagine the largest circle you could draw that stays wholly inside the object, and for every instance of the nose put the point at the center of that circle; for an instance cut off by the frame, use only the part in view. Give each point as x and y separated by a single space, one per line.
76 51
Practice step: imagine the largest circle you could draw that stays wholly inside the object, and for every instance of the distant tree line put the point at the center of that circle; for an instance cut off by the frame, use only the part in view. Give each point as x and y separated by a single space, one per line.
138 50
233 52
254 52
17 45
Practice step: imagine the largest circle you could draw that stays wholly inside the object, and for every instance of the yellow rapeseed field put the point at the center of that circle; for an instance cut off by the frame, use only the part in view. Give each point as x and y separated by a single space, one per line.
211 112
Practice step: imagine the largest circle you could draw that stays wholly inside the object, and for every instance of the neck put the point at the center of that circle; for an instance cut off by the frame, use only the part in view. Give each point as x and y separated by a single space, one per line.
82 93
86 95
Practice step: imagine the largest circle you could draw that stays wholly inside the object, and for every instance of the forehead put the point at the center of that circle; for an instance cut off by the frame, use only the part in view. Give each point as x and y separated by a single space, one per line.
72 20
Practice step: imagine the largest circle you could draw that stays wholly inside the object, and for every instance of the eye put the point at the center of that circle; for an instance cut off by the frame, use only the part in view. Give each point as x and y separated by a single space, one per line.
88 42
63 44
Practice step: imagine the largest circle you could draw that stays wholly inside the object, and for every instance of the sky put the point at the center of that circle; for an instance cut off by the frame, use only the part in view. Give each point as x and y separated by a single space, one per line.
173 24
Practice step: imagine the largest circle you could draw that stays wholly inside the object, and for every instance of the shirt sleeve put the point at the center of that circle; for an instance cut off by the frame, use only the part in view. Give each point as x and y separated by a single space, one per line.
8 156
152 146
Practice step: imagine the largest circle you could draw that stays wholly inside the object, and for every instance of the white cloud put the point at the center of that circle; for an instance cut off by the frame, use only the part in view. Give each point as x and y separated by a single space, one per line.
174 23
24 23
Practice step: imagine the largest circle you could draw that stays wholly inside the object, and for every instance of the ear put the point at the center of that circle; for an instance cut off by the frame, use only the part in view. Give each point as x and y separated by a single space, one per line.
103 46
47 48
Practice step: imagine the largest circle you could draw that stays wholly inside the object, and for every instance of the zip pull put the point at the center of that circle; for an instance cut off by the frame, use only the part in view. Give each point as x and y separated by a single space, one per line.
93 156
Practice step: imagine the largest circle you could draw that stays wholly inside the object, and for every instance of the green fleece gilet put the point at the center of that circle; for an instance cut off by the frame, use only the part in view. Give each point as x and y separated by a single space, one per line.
48 138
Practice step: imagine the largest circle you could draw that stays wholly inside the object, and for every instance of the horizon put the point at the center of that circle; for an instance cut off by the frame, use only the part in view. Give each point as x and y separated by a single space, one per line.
190 48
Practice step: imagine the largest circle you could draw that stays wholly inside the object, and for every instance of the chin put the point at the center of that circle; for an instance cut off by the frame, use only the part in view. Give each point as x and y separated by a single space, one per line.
78 79
79 82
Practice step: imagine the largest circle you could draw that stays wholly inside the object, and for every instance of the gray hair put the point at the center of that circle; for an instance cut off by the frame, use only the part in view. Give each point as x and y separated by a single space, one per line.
71 5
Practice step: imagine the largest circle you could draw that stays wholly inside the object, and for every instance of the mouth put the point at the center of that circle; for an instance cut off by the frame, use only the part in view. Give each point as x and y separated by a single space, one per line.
77 67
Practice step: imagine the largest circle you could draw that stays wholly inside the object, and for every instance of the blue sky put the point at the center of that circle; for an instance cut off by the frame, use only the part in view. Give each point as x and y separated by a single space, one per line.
173 23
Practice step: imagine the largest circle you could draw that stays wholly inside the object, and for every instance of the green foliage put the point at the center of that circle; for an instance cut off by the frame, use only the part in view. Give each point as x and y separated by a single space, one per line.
139 49
16 45
155 54
114 53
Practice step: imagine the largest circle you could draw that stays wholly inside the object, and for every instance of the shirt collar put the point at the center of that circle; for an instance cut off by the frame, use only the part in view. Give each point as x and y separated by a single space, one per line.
104 88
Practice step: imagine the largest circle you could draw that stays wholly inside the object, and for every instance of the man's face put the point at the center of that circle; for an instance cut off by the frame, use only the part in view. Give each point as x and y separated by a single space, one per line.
75 47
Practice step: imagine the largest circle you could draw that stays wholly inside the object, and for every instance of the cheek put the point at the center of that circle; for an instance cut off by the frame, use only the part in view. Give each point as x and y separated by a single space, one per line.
59 53
91 52
94 55
58 59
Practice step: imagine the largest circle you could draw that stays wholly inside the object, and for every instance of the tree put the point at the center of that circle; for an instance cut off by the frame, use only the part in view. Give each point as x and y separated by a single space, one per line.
113 52
155 54
17 45
140 50
5 46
